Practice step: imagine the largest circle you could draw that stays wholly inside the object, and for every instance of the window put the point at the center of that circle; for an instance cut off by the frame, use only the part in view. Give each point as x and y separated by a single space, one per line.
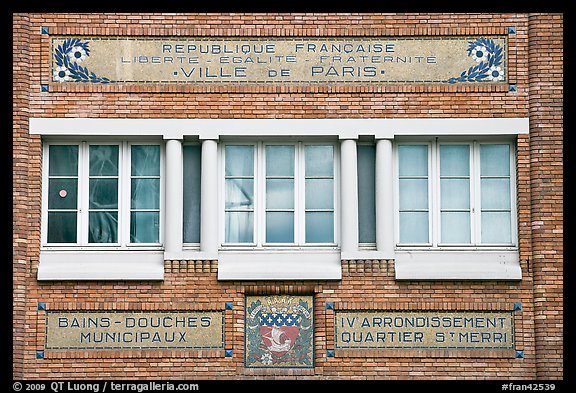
278 194
366 194
191 184
105 194
455 194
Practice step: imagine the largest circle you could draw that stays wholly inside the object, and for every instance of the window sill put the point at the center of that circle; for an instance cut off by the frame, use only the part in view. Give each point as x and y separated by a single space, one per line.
458 264
294 264
101 265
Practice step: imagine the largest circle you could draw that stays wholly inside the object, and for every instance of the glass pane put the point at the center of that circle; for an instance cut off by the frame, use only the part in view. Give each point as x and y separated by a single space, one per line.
496 228
103 160
103 194
239 227
319 160
413 227
494 160
239 160
145 160
62 193
103 227
145 194
495 193
454 160
413 194
144 227
191 173
279 194
61 227
279 227
366 194
279 160
413 160
455 193
63 160
319 227
319 194
239 194
455 227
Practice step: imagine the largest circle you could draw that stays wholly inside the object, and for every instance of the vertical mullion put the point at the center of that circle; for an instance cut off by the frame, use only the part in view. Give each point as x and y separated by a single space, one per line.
433 192
298 194
83 192
259 192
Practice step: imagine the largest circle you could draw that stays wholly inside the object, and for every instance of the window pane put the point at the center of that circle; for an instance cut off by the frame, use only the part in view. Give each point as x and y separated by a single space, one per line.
413 227
103 227
319 160
61 227
239 160
455 193
145 160
495 193
279 194
63 160
192 173
144 227
454 160
366 194
239 194
496 228
62 193
145 194
239 227
280 227
413 194
455 227
494 160
413 160
319 227
279 160
103 194
103 160
319 194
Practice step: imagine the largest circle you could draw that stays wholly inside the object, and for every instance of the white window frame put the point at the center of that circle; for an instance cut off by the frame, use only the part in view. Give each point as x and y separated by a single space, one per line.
124 193
259 234
434 196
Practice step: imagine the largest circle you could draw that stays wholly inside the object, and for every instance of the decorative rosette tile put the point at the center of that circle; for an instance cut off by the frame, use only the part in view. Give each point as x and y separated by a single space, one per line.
68 57
489 56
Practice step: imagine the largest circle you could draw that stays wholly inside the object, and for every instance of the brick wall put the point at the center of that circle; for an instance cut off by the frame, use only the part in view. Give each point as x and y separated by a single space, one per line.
363 282
546 147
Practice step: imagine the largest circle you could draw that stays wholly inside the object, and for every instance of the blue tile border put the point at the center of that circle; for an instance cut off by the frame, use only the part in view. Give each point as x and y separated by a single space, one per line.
512 88
229 306
511 29
44 30
329 353
329 305
517 306
44 88
41 306
228 353
520 354
39 354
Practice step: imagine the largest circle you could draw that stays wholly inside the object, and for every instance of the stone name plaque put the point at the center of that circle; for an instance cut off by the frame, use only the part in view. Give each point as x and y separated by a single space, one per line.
424 330
279 60
134 330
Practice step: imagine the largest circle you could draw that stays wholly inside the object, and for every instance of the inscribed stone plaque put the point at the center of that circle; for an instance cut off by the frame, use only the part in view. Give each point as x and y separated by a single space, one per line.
279 331
280 60
424 329
135 330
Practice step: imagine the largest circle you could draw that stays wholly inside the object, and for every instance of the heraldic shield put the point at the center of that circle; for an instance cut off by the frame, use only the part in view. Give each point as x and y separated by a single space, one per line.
279 331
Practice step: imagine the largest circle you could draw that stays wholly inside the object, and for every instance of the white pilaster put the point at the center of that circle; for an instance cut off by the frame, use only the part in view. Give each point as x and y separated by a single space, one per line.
209 198
384 197
174 197
348 197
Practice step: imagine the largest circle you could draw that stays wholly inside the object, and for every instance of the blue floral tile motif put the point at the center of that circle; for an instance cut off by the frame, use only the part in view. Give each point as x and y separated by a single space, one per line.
489 57
68 57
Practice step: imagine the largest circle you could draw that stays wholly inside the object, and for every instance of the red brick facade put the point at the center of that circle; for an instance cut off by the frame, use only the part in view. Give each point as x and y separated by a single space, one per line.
365 284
